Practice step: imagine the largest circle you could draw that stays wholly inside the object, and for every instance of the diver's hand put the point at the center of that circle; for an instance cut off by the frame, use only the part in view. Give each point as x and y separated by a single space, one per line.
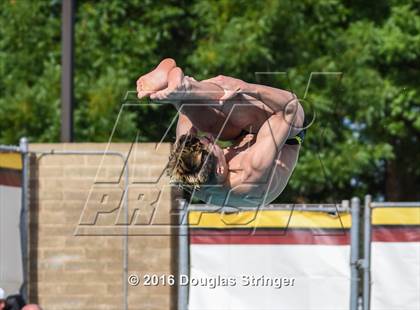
230 85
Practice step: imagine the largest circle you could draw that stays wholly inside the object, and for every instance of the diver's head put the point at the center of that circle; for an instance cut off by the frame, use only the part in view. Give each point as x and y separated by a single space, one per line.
196 161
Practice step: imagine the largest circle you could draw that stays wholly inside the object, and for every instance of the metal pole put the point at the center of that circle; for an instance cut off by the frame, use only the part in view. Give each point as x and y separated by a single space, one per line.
125 241
366 252
183 261
286 207
9 148
354 252
414 204
67 38
24 216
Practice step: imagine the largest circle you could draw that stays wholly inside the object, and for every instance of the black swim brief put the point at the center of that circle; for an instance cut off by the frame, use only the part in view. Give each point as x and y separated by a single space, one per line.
298 139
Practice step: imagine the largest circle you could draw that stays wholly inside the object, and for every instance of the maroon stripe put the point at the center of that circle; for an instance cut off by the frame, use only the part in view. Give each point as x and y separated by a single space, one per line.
396 234
274 236
10 177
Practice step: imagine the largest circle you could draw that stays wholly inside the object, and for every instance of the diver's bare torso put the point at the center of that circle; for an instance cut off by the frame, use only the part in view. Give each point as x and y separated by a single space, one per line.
237 194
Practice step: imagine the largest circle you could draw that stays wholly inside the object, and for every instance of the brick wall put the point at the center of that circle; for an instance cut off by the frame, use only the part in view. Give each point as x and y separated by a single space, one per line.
75 266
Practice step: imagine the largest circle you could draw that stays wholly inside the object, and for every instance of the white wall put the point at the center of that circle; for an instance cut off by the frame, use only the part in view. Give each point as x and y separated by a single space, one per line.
11 274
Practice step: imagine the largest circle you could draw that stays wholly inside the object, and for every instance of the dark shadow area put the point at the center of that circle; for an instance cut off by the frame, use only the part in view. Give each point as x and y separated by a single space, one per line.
33 219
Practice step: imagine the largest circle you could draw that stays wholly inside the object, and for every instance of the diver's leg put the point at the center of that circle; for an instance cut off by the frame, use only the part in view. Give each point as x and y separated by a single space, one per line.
199 100
197 105
186 89
204 117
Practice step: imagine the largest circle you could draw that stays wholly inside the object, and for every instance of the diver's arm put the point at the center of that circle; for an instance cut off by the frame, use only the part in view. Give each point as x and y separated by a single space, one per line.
262 155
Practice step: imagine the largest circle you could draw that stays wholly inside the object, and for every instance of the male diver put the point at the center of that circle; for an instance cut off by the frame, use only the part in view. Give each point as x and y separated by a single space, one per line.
264 125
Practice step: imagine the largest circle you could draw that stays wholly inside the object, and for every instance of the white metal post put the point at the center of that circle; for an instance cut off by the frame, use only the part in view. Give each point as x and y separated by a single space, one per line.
24 216
354 252
183 261
366 252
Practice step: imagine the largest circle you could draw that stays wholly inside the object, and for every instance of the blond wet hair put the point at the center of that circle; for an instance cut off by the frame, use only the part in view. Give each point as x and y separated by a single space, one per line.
191 163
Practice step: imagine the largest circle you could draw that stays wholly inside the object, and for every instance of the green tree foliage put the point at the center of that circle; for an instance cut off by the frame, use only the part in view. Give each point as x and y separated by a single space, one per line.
365 111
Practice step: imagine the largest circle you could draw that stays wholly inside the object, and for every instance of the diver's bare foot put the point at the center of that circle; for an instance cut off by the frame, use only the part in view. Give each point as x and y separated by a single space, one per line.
156 79
177 87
